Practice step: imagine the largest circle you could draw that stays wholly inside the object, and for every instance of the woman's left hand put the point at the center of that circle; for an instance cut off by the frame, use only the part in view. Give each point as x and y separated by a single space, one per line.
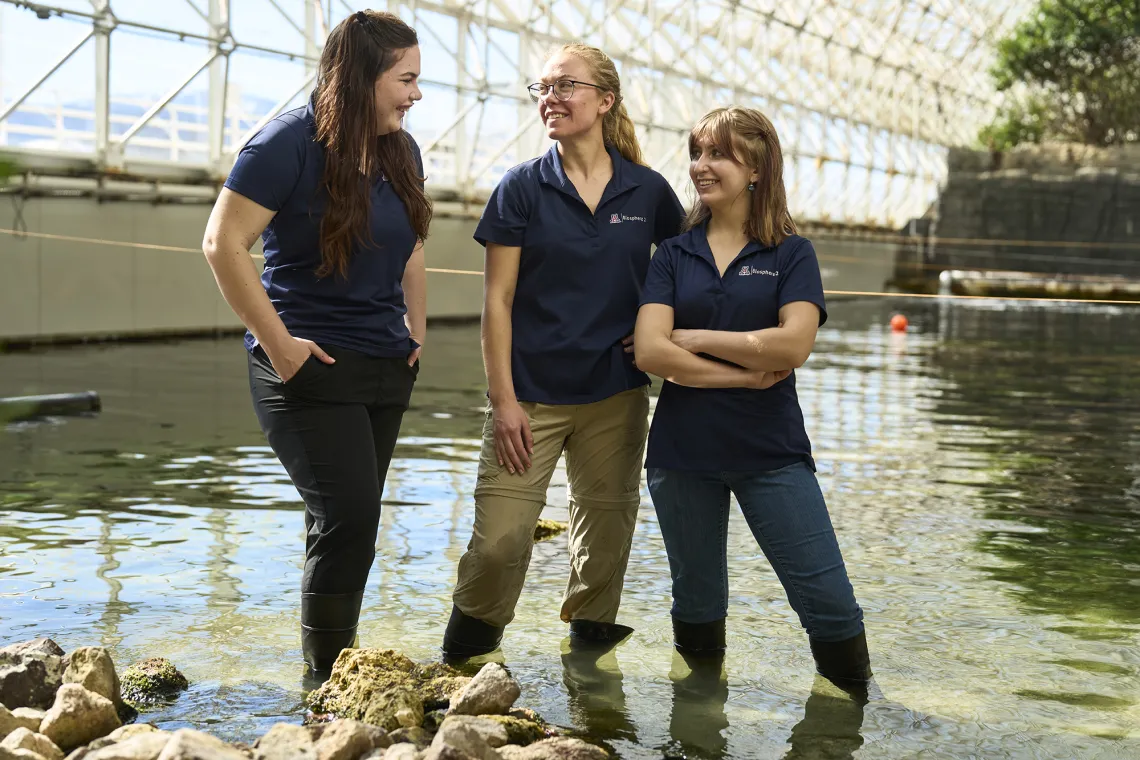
414 356
686 339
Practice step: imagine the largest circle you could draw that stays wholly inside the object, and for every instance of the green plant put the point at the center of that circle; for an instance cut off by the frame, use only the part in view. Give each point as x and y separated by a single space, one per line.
1079 62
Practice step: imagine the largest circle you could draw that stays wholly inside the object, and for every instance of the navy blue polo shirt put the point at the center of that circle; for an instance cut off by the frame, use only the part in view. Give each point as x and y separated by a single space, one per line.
580 274
730 429
281 169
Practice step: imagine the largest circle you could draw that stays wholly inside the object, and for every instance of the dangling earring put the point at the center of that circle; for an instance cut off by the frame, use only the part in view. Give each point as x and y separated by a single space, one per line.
751 185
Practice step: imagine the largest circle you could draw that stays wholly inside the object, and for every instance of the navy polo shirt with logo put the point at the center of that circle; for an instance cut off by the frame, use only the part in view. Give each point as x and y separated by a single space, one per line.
730 429
580 274
281 168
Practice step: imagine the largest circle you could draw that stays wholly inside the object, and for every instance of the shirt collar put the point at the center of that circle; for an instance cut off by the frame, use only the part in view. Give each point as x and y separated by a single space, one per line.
551 171
699 246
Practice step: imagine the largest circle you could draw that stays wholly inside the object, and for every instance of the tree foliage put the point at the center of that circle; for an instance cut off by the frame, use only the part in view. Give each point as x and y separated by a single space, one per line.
1079 62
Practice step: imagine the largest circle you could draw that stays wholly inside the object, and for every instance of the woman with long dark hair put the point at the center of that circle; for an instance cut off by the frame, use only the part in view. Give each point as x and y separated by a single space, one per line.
336 324
740 293
568 238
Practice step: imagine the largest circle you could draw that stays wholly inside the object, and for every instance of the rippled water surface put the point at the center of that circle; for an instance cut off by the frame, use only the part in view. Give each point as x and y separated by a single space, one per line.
982 470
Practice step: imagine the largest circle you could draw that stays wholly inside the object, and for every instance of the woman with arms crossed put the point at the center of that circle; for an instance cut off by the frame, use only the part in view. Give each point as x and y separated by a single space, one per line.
568 239
336 325
742 288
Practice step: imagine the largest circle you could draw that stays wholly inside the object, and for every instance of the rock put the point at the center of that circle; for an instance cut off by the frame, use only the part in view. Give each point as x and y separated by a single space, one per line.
521 730
491 732
144 746
416 735
93 669
402 751
29 718
22 738
447 752
151 682
29 677
559 748
374 685
462 736
78 717
285 741
20 754
122 733
8 722
188 744
349 739
491 692
41 645
549 529
408 718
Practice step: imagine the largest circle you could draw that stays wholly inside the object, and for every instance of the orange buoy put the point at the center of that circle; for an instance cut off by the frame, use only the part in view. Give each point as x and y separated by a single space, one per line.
899 323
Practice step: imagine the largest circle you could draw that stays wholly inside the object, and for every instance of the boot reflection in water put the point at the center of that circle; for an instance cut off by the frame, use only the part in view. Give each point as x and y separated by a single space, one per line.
698 721
832 723
593 681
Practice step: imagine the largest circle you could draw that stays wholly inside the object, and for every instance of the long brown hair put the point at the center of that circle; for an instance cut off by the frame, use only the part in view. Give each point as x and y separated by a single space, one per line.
357 52
748 137
617 126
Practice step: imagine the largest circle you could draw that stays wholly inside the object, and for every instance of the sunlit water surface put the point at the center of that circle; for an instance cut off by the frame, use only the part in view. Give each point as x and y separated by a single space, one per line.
982 471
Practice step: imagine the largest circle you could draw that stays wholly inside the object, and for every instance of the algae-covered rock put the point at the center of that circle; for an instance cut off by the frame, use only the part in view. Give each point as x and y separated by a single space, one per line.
384 688
152 682
521 730
561 748
549 529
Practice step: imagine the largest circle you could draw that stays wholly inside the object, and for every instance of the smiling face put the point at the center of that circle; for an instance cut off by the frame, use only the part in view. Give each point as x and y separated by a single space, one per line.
719 179
583 112
397 90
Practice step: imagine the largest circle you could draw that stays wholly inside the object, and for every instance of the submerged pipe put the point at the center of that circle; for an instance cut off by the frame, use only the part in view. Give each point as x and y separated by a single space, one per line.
17 408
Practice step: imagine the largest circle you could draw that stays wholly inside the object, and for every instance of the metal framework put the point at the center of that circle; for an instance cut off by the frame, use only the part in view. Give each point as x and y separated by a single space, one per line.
866 94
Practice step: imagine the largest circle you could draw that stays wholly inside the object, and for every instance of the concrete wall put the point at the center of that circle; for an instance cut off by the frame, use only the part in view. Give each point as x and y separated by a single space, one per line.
58 289
1077 206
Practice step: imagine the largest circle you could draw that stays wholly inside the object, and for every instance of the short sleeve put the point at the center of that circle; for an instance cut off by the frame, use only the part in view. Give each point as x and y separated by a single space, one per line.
507 212
269 166
670 215
660 280
800 279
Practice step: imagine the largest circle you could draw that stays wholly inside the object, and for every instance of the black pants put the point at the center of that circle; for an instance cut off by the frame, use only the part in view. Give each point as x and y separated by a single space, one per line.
334 426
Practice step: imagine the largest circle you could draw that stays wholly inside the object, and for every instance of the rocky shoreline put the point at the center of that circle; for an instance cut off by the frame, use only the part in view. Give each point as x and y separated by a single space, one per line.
376 705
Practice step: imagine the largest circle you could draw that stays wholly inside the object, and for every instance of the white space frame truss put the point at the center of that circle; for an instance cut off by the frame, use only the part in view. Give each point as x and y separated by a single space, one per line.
866 94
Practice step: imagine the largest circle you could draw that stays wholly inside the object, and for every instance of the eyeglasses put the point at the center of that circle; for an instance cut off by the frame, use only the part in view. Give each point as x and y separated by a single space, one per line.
563 89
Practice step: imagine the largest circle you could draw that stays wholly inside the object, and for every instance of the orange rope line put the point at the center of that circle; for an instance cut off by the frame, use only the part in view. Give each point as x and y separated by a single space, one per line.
864 293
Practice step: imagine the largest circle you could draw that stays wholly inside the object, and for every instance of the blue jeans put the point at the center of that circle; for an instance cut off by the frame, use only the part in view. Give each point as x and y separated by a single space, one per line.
787 515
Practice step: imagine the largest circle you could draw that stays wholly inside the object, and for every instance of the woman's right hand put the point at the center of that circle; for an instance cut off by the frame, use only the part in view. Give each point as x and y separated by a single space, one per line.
288 357
760 380
513 442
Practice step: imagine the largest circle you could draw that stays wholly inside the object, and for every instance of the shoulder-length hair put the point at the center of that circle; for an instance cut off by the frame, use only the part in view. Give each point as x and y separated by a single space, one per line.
748 138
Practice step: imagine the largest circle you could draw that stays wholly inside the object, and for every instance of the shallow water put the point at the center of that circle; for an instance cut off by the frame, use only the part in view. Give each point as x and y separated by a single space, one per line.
982 470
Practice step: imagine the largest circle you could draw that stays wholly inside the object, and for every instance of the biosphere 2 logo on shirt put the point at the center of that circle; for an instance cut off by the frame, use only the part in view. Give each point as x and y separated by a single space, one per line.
619 218
747 270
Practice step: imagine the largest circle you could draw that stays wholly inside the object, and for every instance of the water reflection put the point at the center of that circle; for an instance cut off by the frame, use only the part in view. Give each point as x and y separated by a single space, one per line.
981 471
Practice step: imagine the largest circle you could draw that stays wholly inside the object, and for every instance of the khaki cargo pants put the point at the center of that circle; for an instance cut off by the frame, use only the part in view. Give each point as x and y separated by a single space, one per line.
605 451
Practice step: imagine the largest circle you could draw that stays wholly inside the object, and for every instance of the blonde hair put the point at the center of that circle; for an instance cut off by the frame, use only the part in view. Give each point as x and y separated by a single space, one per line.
749 139
617 126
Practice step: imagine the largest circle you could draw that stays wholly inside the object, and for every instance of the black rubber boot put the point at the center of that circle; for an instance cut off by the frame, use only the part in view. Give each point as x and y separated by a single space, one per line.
469 637
587 634
699 639
847 664
328 625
